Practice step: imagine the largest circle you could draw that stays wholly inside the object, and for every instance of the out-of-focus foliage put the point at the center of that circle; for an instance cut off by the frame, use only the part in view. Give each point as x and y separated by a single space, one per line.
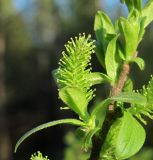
144 154
18 40
6 9
74 149
33 37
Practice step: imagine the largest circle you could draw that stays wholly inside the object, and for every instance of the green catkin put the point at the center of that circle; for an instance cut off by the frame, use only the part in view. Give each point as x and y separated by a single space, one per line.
146 110
75 67
38 156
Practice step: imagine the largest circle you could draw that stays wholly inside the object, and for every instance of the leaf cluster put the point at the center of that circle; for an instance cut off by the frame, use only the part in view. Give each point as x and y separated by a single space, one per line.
116 47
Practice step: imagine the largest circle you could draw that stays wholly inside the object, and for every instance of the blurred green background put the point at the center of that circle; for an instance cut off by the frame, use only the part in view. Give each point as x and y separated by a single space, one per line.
32 37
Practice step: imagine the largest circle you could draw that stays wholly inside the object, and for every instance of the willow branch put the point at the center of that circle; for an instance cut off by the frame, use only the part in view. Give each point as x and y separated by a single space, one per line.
112 114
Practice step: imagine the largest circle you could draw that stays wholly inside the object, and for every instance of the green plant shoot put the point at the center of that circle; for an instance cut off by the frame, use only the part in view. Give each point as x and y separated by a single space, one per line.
119 133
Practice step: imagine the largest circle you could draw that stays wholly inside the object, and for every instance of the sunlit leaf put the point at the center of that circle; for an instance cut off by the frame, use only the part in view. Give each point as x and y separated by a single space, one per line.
147 12
76 100
125 138
104 31
111 59
130 97
129 28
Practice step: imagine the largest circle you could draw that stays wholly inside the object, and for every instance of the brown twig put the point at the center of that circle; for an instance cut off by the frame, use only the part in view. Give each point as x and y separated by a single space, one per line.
116 89
112 114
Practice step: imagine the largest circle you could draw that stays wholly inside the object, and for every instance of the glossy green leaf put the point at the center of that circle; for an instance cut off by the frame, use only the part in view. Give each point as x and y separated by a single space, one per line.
132 28
130 97
130 142
140 62
125 138
111 59
76 100
147 12
47 125
102 21
104 31
138 22
98 78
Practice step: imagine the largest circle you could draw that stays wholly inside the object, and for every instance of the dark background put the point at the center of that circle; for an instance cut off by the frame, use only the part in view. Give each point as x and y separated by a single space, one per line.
32 37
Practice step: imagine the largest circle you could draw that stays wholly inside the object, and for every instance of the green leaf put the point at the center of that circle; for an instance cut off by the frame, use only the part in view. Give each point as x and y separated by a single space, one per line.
76 100
138 4
140 62
125 138
47 125
104 31
128 87
98 78
131 137
99 107
120 51
98 112
131 4
147 12
142 28
130 97
132 28
102 25
111 59
88 138
138 22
